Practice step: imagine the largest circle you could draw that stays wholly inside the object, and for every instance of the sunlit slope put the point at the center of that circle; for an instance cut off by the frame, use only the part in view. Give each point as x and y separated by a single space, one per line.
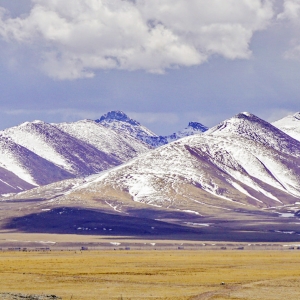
57 146
121 146
22 169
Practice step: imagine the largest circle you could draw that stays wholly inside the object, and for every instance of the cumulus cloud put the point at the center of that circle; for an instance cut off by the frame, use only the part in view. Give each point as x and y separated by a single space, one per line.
291 10
74 38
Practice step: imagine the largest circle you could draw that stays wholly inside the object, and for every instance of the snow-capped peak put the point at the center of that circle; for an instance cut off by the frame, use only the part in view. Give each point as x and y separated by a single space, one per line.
117 115
246 113
126 127
290 125
290 121
252 127
197 126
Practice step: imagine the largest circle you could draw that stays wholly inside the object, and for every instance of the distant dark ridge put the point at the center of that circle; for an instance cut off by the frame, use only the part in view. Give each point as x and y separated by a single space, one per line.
198 126
117 115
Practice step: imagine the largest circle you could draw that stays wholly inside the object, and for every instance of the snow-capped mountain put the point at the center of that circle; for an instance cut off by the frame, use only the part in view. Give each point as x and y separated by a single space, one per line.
63 150
240 180
243 163
21 169
121 123
290 125
193 128
60 151
252 127
121 146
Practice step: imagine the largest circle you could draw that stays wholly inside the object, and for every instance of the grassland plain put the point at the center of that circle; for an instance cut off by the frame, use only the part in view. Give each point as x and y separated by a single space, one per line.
187 275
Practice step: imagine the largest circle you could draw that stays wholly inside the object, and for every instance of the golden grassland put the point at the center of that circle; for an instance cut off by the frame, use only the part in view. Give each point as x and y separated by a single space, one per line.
91 275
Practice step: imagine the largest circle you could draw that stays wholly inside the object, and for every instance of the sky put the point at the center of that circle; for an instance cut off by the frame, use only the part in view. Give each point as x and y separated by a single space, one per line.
163 62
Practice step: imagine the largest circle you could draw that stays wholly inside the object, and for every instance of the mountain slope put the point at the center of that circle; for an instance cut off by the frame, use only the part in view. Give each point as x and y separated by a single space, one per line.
22 169
121 146
290 125
61 149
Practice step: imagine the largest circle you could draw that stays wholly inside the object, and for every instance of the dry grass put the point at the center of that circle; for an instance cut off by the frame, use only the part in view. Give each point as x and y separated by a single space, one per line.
153 274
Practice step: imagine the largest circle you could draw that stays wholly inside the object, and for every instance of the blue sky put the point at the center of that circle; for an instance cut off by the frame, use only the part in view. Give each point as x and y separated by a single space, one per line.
164 62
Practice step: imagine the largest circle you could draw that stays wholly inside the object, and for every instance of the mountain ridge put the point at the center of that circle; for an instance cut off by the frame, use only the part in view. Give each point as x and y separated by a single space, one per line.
120 122
67 150
290 125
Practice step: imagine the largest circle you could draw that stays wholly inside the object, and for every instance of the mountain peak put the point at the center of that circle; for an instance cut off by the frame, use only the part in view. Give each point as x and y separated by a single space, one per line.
197 126
245 124
288 121
297 116
253 128
290 125
32 122
117 115
245 113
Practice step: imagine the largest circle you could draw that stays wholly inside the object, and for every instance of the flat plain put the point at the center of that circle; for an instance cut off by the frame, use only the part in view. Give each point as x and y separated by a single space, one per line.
153 274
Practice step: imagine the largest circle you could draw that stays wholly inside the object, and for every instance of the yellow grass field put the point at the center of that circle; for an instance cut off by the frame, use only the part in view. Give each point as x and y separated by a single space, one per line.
91 275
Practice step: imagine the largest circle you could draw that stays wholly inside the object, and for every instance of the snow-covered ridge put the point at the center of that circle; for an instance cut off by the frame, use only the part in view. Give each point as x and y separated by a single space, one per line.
290 125
193 128
252 127
121 123
37 153
35 136
121 146
117 116
60 148
40 153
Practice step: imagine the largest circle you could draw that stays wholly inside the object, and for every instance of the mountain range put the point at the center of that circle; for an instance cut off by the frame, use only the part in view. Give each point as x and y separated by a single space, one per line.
242 162
37 153
242 171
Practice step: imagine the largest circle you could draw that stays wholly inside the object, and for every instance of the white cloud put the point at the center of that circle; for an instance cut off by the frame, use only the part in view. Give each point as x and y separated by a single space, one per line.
291 10
291 15
74 38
